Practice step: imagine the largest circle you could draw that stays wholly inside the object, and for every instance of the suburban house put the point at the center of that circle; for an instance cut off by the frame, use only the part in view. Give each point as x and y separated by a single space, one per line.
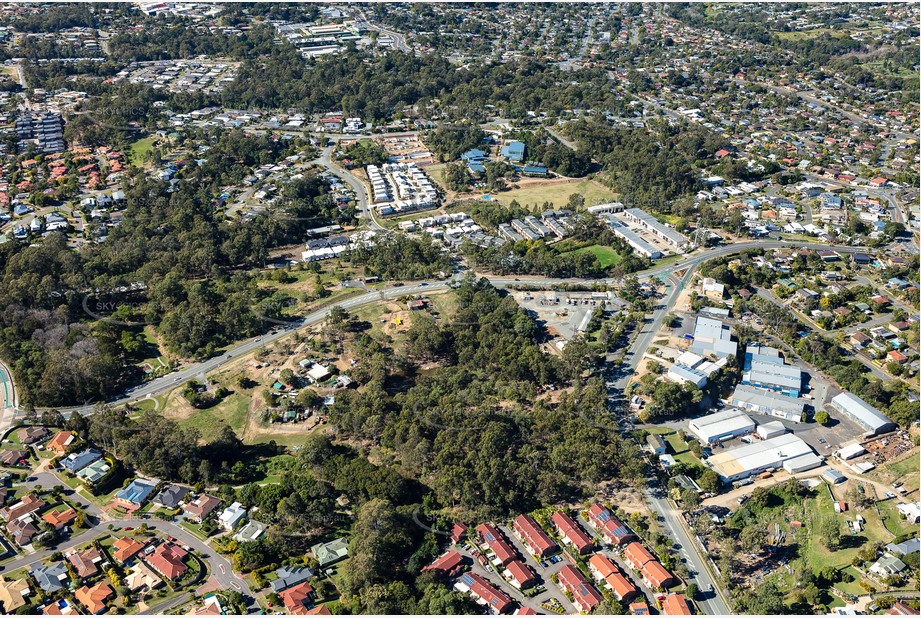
134 495
584 595
329 553
22 530
200 508
14 457
675 605
31 435
656 576
59 443
298 599
52 578
13 594
636 555
609 527
520 575
167 561
86 562
232 516
447 565
126 548
534 538
290 576
94 599
170 496
29 504
142 577
58 519
603 569
251 531
572 533
75 462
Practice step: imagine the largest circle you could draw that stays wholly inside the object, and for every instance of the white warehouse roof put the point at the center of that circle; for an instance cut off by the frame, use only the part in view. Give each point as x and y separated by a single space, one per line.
863 413
743 461
714 427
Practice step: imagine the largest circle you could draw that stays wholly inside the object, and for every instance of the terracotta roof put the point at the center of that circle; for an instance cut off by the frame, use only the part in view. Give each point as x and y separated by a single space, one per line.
126 548
533 536
93 599
676 605
60 518
59 443
296 598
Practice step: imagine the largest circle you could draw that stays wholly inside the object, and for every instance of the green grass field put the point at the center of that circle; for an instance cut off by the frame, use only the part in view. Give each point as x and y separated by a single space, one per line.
557 194
140 148
232 411
606 255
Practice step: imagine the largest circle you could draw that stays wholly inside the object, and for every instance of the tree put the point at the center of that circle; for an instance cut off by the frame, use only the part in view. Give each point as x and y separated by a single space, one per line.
691 591
690 498
830 532
709 481
751 539
822 417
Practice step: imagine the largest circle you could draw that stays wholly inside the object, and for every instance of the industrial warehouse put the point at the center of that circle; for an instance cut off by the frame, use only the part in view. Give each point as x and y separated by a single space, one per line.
721 426
786 451
865 415
768 402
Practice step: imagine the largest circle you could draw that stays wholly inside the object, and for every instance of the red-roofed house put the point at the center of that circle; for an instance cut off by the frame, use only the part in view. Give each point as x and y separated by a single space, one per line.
898 357
59 443
497 544
609 527
167 561
298 598
126 548
601 566
201 507
520 575
86 562
636 555
676 605
448 565
458 530
879 182
584 595
639 609
656 576
572 533
535 539
94 599
484 593
623 588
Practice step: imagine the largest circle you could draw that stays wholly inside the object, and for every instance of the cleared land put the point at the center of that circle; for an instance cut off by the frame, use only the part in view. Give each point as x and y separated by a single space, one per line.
556 193
606 255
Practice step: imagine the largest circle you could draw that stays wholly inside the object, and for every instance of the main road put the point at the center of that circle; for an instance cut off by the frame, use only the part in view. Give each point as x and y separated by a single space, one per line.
166 383
711 599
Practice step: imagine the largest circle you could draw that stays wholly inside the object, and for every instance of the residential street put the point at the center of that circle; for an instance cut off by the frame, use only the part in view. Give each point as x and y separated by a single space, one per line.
225 577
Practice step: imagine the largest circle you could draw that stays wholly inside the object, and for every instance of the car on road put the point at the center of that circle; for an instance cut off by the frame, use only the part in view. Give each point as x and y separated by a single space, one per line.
821 440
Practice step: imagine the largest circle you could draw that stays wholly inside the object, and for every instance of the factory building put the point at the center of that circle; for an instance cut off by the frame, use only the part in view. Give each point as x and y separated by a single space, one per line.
865 415
768 402
787 451
713 338
721 426
765 368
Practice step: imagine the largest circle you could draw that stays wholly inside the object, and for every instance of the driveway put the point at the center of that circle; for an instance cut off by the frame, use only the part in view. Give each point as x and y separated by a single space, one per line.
221 569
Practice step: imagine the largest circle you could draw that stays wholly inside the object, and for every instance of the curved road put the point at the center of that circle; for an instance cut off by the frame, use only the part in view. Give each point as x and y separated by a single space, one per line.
194 370
220 567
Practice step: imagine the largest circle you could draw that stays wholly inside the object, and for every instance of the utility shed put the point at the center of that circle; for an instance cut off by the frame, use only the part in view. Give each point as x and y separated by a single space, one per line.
850 452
